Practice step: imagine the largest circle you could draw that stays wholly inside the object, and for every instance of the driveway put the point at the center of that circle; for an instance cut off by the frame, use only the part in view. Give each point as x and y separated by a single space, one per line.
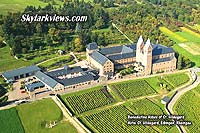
181 92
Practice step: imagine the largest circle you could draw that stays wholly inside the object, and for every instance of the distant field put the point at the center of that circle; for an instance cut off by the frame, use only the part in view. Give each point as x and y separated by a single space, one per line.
35 115
7 62
187 43
20 5
172 35
10 121
196 27
188 105
191 48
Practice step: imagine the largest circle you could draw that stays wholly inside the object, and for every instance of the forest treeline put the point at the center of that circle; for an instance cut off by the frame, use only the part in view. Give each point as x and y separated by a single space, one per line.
135 18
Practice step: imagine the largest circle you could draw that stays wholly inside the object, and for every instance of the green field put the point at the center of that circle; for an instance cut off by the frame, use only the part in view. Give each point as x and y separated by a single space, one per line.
10 121
188 105
57 62
187 43
33 58
88 100
36 115
20 5
7 62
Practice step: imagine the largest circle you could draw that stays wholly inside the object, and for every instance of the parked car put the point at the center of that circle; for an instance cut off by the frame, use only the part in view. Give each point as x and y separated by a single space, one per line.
23 91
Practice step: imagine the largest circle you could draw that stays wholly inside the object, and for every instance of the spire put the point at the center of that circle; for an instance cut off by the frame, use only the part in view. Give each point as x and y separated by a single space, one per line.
148 43
140 40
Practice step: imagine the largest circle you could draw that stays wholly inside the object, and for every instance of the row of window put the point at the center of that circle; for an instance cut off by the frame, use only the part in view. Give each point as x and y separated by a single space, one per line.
75 86
163 56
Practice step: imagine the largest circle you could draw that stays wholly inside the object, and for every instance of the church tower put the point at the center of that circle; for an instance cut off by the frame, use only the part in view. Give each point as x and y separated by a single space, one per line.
147 57
139 49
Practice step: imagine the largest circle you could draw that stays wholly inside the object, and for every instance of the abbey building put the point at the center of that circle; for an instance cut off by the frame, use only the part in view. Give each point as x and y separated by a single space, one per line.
144 56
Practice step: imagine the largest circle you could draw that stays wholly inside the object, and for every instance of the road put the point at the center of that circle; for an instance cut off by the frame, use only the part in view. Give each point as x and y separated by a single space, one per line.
180 92
114 25
72 54
68 117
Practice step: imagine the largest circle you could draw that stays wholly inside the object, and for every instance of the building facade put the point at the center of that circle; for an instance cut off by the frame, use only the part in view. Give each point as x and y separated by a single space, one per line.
152 57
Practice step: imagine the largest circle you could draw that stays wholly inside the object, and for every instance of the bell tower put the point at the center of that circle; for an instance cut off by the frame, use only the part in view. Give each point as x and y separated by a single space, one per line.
139 49
147 58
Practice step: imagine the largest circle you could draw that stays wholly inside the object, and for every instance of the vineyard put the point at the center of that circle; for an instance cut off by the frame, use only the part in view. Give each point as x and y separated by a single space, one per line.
177 79
127 90
83 102
114 119
188 105
147 107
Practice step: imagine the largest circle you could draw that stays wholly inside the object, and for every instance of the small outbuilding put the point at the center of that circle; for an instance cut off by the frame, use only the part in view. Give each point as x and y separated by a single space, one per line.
20 73
165 100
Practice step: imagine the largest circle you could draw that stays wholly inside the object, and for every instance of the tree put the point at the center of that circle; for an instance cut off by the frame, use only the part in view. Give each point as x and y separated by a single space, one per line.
78 44
180 60
66 45
2 44
48 40
100 24
101 39
39 28
94 37
24 50
78 28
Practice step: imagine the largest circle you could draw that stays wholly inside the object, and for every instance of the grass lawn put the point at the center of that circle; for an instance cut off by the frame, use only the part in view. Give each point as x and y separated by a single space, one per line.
10 121
102 30
8 62
189 37
20 5
193 58
35 115
81 57
198 73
